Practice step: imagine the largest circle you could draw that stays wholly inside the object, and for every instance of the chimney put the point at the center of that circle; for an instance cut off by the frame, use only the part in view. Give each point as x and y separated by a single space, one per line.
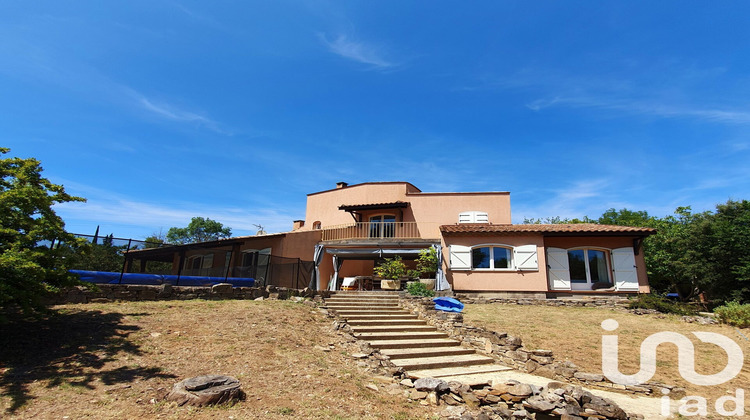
298 224
340 185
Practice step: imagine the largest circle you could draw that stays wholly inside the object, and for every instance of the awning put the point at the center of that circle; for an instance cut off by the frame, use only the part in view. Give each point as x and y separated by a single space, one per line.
374 206
374 253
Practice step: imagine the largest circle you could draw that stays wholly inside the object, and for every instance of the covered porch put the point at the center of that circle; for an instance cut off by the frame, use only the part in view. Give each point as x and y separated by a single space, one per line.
351 267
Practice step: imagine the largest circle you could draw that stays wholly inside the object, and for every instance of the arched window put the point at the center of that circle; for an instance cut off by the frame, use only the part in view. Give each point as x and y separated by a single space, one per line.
316 225
491 257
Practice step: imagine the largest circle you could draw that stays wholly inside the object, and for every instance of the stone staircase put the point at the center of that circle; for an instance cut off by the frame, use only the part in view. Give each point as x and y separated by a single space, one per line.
420 349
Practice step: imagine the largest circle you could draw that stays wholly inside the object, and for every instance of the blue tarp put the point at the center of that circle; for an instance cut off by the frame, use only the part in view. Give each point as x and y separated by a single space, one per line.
448 304
106 277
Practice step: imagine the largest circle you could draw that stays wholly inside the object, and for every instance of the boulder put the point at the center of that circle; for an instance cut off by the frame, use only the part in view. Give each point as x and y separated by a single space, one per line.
431 384
206 390
221 289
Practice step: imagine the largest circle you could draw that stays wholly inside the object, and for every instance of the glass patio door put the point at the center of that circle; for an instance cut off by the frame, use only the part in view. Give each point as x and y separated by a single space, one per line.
383 226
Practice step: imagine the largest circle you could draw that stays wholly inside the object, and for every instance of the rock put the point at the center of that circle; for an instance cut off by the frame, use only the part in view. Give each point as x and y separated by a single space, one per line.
417 395
538 404
603 406
542 360
544 353
206 390
432 399
453 411
471 400
520 390
221 289
407 383
520 414
372 387
590 377
359 355
431 385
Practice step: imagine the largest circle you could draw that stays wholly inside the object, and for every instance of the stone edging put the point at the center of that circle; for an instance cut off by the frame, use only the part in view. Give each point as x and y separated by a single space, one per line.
497 400
510 351
133 292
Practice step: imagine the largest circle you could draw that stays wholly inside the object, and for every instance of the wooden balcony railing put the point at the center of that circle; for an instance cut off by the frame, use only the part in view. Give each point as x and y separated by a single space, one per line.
372 230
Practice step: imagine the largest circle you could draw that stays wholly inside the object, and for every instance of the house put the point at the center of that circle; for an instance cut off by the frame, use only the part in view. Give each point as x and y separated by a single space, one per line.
349 229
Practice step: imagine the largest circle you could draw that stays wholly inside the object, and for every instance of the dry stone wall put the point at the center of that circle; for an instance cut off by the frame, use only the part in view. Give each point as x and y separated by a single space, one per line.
113 292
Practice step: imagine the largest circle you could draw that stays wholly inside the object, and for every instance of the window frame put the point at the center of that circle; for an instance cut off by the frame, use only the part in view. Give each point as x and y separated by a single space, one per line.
508 249
381 225
586 285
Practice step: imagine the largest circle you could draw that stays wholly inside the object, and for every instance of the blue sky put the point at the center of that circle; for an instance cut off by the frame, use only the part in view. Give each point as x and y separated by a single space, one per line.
157 111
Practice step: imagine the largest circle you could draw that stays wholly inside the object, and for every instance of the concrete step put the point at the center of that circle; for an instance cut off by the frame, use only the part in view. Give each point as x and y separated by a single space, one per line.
367 311
418 343
409 353
378 317
449 374
393 329
421 363
349 307
400 335
362 303
361 299
390 322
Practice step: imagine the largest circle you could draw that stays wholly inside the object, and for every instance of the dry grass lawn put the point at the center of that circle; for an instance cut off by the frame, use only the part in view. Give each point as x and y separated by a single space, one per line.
575 334
117 360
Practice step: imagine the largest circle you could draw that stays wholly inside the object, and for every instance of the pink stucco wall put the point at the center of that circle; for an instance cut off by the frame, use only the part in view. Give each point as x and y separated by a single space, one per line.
497 280
609 243
429 210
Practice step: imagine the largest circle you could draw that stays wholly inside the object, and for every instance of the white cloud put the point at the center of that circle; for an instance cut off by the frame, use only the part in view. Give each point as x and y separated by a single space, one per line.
356 50
105 208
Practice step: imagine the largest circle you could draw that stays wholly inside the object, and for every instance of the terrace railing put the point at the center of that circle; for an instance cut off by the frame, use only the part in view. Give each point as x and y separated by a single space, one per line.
372 230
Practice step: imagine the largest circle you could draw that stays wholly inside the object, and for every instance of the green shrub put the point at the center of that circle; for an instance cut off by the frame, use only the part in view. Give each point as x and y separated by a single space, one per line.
661 304
391 268
734 313
419 289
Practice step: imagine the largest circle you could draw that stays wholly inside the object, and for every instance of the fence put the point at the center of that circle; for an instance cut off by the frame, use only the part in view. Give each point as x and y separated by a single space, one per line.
110 254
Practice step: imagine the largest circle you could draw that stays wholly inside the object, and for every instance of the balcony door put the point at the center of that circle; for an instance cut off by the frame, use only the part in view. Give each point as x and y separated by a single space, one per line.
383 226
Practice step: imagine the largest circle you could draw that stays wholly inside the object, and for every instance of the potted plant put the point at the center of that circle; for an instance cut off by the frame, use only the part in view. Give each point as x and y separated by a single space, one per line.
391 271
427 265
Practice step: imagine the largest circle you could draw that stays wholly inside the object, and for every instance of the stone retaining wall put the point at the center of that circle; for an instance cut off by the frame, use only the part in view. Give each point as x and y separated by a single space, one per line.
510 350
607 302
131 292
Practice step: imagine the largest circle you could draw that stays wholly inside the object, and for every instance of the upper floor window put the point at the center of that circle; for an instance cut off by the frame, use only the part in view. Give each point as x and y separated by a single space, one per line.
383 226
316 225
491 257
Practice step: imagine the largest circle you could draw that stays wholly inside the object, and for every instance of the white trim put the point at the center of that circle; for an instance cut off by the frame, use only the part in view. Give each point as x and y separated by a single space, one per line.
492 247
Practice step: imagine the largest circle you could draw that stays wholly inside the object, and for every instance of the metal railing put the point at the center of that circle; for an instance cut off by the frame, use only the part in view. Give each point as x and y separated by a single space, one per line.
372 230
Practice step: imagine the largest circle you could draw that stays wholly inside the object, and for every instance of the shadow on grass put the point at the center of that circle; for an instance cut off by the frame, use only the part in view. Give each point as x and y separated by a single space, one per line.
66 348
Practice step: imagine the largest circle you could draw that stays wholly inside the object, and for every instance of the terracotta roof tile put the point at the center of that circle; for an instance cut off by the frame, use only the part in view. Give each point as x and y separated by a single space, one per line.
559 229
391 205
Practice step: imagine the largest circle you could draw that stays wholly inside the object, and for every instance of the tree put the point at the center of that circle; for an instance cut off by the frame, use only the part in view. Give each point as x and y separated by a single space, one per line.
727 250
29 266
156 240
104 256
198 230
625 217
